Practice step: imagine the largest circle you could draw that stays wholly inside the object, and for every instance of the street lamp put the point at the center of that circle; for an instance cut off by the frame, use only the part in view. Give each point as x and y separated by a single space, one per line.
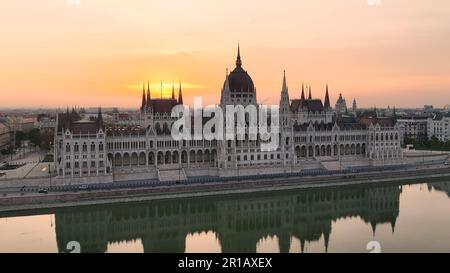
50 176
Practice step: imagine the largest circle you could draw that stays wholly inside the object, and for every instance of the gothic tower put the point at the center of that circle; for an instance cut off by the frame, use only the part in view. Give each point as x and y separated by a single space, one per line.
284 104
327 105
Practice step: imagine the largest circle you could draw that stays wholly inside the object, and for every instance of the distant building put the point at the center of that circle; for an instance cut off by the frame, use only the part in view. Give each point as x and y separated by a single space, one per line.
45 122
438 126
341 105
21 124
414 128
389 111
5 136
428 108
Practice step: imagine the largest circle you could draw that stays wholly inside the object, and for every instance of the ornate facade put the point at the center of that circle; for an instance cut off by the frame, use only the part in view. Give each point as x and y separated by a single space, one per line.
311 136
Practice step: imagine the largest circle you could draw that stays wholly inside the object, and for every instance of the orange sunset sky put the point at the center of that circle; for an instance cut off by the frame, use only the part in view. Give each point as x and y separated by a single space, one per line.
100 52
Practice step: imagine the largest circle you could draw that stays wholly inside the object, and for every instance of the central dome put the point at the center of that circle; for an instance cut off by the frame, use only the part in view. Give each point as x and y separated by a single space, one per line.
239 79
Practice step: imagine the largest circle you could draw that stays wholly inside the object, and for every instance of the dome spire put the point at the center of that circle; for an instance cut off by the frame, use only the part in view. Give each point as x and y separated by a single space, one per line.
238 59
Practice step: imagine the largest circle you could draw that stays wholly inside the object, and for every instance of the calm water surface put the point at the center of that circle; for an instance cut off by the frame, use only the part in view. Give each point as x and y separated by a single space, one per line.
402 218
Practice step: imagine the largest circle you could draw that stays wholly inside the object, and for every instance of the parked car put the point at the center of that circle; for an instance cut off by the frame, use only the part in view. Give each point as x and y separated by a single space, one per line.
43 191
83 187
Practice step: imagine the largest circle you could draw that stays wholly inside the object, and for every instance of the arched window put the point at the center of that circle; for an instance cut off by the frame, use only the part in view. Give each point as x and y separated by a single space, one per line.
158 129
166 128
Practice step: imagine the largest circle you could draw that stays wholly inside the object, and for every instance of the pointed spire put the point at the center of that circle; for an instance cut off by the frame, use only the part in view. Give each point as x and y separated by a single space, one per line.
148 94
227 83
303 92
180 95
284 102
67 123
143 104
226 90
327 99
100 118
374 228
310 95
326 236
393 225
173 92
238 59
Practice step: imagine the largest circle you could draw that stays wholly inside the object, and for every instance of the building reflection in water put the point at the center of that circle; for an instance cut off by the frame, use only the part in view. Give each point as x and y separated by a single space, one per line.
443 186
239 222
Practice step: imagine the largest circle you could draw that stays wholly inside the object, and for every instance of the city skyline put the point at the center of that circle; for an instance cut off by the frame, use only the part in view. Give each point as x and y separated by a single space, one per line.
247 127
100 53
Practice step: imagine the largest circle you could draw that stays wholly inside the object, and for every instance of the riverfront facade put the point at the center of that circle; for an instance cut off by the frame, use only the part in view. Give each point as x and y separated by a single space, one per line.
312 135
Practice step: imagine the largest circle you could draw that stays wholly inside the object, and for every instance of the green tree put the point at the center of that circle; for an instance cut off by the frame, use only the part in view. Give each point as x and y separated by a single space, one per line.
20 136
35 137
46 140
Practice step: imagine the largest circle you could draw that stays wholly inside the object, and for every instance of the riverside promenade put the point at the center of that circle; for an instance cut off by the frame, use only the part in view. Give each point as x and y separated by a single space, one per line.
135 191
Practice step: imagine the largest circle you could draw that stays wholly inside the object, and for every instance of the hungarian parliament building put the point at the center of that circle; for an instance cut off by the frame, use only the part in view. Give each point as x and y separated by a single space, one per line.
312 136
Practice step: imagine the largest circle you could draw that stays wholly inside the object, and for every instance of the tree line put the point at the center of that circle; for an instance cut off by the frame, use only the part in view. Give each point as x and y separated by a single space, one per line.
37 138
433 144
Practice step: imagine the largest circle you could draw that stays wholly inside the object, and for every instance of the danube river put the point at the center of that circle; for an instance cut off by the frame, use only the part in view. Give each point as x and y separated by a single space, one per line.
394 217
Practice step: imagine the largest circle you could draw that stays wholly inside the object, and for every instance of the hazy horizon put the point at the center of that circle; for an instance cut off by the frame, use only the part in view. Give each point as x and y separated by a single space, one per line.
101 52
